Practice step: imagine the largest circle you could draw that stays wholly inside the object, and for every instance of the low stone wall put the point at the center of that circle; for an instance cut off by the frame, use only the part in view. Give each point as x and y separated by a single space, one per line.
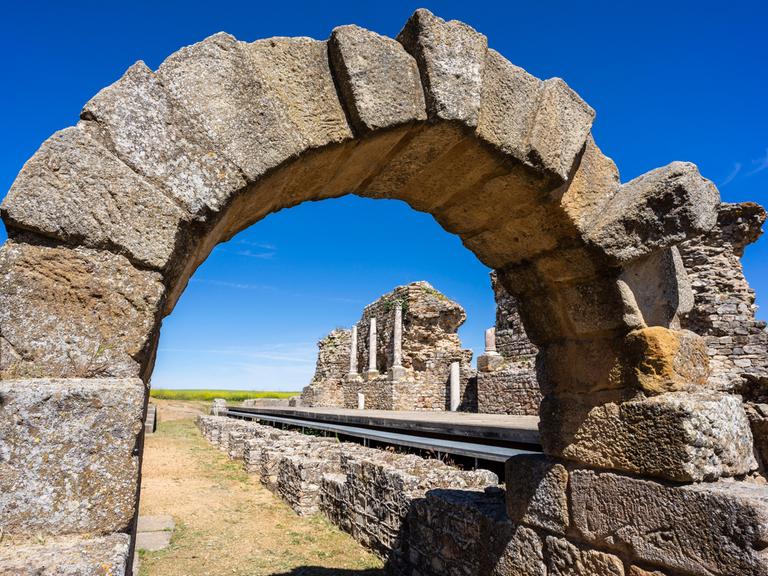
512 389
366 492
554 518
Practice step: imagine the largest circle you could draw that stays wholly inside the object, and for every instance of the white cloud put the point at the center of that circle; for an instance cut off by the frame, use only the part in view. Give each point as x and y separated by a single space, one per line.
732 174
760 164
236 285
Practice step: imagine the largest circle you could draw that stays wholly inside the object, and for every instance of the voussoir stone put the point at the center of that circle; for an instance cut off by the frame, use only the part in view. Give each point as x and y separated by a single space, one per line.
451 58
239 94
70 556
537 492
158 139
717 529
75 190
377 78
591 187
680 436
654 211
74 312
660 287
69 455
563 122
510 98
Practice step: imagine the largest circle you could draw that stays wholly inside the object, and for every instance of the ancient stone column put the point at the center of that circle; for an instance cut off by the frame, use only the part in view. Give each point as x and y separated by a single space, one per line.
353 351
397 371
455 388
491 360
372 371
490 341
219 406
360 401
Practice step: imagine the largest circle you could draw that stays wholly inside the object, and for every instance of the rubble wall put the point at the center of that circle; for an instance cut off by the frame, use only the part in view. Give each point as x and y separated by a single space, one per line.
724 303
327 385
509 385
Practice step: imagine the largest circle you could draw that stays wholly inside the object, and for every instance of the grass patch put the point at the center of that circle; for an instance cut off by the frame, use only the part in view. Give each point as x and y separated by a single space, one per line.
209 395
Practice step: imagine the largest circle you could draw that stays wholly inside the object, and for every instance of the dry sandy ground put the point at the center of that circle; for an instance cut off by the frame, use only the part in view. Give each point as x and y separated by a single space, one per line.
226 521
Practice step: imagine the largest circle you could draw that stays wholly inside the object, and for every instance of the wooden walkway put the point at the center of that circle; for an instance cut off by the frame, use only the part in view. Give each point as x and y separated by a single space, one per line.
492 428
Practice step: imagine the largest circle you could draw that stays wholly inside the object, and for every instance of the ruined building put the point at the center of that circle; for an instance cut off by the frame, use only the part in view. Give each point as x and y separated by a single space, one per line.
398 356
724 313
506 378
419 377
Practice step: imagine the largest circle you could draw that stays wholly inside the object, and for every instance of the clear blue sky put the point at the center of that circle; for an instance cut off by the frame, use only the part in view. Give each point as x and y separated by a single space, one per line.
669 81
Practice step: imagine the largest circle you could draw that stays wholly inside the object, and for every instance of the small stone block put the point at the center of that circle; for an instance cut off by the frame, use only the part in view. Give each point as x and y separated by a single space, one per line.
153 541
536 492
490 362
155 523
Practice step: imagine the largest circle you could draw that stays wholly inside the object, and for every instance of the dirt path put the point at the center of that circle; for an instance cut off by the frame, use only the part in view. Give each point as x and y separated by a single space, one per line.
226 521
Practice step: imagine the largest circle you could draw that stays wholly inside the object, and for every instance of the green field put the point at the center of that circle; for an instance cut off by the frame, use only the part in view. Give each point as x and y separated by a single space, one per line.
208 395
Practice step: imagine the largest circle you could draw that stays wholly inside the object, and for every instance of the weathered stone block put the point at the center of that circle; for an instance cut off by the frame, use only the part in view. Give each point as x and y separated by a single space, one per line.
157 138
679 436
718 529
654 211
378 79
591 187
537 492
246 106
105 556
660 287
662 360
297 73
597 307
68 455
451 58
522 551
581 366
510 98
75 313
75 190
563 122
490 362
567 559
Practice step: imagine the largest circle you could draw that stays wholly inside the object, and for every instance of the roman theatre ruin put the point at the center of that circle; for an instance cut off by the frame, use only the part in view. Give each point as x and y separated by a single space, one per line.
649 464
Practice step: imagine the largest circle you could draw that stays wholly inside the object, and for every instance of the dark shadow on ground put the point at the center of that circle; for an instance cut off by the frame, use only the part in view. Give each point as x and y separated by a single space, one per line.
321 571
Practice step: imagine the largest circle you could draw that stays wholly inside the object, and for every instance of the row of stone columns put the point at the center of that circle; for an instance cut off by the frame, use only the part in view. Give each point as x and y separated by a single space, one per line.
397 341
397 370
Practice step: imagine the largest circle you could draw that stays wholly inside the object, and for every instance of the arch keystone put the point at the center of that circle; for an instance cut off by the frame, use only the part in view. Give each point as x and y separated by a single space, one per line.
451 58
377 78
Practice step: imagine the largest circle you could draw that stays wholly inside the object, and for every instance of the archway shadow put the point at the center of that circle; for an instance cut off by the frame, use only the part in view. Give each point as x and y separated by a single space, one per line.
322 571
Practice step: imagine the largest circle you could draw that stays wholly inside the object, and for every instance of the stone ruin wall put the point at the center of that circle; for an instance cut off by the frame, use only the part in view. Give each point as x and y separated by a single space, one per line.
508 384
327 385
425 517
724 303
724 312
430 344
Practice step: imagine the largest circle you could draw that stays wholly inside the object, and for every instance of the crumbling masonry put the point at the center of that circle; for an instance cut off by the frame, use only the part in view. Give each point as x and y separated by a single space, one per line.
414 345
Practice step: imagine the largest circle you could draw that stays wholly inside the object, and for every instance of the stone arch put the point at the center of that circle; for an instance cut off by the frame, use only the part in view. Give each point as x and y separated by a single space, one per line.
109 219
